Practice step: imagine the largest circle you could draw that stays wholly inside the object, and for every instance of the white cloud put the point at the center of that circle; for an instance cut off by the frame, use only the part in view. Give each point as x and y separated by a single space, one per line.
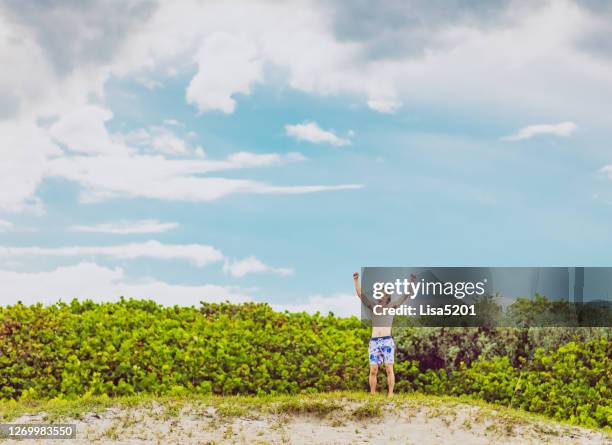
125 174
240 268
165 141
486 63
83 130
173 122
311 132
150 84
607 171
127 227
25 151
111 167
37 86
198 254
105 177
5 225
139 137
158 139
246 159
30 86
233 42
384 105
89 280
227 65
562 129
496 63
296 189
342 305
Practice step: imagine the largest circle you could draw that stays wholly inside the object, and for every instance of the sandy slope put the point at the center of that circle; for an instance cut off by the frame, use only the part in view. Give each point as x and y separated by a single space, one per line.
349 422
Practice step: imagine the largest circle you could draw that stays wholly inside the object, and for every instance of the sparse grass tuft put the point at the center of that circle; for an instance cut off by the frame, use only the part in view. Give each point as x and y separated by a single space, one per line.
368 410
232 409
307 406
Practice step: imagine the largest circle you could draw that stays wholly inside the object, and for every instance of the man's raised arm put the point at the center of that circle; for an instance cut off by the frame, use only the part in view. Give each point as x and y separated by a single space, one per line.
358 290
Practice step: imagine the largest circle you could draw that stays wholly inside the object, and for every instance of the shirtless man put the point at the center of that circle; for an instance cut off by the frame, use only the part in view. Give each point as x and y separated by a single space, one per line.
382 346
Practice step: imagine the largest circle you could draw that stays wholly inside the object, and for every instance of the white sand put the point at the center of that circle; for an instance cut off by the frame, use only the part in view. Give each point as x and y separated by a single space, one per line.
422 425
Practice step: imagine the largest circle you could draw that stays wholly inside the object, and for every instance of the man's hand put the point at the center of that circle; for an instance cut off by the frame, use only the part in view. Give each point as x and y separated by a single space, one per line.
412 278
358 287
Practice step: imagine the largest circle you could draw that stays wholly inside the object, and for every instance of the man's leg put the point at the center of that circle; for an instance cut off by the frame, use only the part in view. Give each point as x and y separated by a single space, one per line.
372 378
390 377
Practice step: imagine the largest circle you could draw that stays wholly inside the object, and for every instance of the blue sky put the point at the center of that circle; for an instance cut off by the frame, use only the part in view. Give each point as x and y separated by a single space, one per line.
267 154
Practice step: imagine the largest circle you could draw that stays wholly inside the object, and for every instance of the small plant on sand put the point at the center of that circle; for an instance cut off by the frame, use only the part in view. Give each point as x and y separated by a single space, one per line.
368 410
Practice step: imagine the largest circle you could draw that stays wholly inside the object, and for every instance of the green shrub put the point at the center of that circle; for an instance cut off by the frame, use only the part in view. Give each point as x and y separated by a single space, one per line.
128 347
449 347
132 346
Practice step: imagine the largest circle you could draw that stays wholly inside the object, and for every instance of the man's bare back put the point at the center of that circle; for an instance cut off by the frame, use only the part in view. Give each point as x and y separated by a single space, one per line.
379 331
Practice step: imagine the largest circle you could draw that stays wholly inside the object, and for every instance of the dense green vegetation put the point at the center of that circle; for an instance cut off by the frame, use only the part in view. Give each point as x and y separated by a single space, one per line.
130 347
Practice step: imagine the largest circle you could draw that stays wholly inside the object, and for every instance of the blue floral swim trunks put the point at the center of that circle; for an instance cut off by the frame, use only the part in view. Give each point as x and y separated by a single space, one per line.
382 350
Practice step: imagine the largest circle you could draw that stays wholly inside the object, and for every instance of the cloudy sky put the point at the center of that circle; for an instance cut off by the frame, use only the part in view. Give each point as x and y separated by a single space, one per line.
264 150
